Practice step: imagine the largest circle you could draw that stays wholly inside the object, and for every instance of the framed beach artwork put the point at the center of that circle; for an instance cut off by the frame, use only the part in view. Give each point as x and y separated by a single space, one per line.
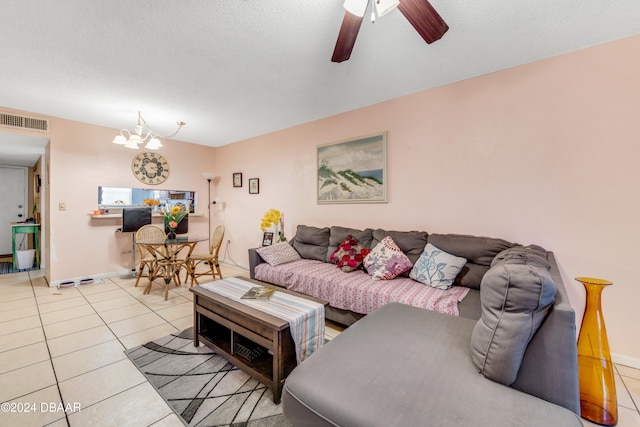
353 171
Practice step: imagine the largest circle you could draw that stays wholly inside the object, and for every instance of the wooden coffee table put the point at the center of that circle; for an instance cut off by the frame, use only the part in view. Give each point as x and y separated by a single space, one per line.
254 341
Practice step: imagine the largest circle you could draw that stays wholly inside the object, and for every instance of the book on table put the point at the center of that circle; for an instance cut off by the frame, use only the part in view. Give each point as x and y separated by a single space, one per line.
258 292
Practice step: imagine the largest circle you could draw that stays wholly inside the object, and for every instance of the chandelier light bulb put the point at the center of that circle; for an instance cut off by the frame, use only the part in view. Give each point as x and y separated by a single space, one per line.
134 139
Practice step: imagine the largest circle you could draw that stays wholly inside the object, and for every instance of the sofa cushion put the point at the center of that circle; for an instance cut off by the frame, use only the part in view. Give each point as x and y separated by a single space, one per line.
386 260
311 242
412 243
349 255
479 252
437 268
338 234
529 255
515 295
279 253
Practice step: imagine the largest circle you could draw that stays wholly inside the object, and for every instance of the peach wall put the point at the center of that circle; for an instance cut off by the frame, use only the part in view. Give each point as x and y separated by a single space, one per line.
544 153
81 157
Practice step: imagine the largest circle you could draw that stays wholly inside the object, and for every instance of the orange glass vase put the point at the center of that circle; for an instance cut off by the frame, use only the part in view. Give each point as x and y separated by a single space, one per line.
598 402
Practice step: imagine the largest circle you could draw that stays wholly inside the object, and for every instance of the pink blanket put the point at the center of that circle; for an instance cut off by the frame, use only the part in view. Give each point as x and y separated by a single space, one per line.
356 291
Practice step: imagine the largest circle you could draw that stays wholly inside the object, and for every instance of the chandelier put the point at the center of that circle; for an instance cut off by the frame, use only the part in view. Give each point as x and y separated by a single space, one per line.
134 139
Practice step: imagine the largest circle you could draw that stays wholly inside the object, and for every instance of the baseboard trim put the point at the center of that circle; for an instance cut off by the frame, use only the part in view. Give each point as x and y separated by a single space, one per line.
93 276
620 359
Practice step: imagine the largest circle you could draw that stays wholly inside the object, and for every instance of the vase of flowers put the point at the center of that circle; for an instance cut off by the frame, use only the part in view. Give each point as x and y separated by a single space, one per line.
274 218
172 217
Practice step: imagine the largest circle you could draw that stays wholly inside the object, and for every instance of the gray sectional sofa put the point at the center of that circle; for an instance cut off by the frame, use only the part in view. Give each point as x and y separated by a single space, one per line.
509 358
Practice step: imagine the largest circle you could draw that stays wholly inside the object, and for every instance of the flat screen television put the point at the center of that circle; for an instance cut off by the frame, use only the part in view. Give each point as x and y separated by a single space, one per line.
183 226
134 218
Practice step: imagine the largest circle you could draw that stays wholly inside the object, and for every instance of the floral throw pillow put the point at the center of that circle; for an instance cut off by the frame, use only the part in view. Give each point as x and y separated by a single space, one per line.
437 268
349 255
386 260
279 253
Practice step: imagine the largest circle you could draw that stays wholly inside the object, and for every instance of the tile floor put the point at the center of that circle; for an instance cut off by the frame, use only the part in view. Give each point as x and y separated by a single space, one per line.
64 349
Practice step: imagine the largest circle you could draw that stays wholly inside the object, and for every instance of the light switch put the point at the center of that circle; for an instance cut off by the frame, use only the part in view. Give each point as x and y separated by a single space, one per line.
62 206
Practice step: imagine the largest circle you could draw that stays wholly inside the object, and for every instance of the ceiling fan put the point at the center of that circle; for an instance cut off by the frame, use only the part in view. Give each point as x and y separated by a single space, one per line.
419 13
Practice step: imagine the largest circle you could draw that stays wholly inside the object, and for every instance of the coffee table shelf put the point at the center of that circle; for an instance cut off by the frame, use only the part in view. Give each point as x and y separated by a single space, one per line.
219 322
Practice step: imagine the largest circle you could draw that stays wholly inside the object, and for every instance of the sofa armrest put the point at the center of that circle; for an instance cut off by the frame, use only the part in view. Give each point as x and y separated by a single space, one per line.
254 260
550 365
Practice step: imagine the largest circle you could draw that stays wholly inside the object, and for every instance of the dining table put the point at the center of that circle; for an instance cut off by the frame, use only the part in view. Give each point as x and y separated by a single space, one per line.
171 256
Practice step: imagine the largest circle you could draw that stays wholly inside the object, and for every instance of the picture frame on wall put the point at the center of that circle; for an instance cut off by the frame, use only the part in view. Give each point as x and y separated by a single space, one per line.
237 179
353 170
254 185
267 238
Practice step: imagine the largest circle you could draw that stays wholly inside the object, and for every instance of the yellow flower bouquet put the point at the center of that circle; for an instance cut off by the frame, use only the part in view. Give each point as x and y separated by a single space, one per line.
274 218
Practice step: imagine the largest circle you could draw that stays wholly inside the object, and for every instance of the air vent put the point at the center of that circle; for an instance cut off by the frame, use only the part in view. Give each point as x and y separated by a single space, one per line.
24 122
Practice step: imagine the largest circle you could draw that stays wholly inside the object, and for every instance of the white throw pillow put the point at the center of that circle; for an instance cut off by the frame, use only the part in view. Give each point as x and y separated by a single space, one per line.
277 254
437 268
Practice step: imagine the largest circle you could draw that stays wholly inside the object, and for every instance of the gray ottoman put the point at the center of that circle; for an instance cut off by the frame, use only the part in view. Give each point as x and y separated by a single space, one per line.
405 366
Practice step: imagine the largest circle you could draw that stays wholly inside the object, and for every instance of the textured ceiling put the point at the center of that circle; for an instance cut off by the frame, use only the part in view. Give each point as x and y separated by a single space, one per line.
234 69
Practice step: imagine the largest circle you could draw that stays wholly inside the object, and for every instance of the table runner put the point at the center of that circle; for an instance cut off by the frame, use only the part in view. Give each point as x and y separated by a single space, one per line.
305 317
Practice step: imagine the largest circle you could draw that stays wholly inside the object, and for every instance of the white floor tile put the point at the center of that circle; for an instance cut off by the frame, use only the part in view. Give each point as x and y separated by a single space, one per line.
82 361
177 311
101 383
18 325
104 296
623 396
183 323
21 303
71 326
54 294
114 303
18 313
79 340
17 295
169 421
21 339
136 324
53 306
23 356
122 313
63 315
97 288
137 406
40 411
143 337
26 380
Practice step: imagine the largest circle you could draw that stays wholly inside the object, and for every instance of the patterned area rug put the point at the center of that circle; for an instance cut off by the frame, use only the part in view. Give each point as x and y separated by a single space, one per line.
202 387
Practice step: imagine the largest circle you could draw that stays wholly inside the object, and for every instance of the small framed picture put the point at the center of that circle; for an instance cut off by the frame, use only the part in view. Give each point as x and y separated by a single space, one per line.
237 179
254 185
267 239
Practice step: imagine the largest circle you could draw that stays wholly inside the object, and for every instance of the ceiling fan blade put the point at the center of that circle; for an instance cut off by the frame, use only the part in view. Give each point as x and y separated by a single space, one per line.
346 37
424 19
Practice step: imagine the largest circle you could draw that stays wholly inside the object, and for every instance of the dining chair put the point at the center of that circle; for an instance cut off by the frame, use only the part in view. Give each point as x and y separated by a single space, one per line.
211 258
148 234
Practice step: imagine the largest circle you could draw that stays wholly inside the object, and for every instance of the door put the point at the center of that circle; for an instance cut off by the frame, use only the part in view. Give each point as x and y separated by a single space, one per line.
13 197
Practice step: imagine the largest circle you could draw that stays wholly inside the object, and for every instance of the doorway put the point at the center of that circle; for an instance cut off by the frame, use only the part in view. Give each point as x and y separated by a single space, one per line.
13 202
19 153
